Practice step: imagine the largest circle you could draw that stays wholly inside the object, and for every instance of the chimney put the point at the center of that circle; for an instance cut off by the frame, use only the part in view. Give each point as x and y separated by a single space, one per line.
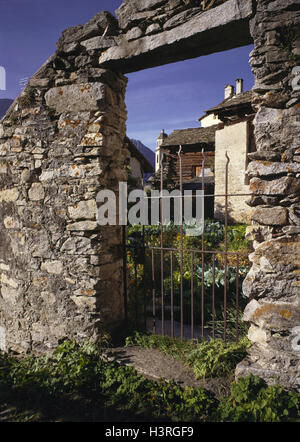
229 91
239 86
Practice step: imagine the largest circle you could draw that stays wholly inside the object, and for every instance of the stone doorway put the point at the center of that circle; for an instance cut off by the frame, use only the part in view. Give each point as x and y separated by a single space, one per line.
62 140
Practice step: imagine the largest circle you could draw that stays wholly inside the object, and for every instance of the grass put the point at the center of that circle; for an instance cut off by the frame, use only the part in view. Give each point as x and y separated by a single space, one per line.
213 358
77 384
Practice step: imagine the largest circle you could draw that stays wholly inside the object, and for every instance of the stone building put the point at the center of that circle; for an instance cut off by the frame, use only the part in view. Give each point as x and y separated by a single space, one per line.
139 166
234 136
193 142
226 128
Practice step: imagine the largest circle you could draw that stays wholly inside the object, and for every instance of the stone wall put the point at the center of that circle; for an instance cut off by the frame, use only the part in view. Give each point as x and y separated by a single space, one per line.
60 143
273 284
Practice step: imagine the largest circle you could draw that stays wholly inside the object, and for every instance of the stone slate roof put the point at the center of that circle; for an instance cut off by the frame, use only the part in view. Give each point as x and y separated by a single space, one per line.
198 135
236 101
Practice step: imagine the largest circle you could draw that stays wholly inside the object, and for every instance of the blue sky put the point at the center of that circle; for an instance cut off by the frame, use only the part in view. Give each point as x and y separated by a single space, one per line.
169 97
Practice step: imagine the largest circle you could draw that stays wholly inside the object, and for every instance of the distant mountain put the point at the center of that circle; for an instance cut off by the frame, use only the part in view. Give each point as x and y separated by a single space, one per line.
148 153
4 105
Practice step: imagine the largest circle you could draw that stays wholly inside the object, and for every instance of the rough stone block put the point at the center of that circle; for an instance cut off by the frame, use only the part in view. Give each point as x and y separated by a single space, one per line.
84 301
258 335
39 82
11 223
36 192
9 195
268 168
281 186
83 210
78 246
52 267
98 43
76 97
83 226
94 27
273 315
270 216
134 33
4 279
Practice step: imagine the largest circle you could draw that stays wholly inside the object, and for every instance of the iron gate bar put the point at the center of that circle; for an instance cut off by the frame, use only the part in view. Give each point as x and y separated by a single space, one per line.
181 244
162 252
135 293
202 254
237 298
153 293
196 196
216 252
125 291
192 295
213 295
172 295
226 244
144 264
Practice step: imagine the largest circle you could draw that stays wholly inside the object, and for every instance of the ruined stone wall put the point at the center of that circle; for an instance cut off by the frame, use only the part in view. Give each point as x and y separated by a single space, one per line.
60 143
273 284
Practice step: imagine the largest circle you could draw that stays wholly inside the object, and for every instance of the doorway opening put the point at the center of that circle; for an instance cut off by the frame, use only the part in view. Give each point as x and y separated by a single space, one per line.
177 285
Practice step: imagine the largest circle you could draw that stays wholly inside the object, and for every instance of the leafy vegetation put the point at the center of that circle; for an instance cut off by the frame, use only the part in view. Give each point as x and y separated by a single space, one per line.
217 358
173 347
213 358
81 371
140 270
78 383
252 400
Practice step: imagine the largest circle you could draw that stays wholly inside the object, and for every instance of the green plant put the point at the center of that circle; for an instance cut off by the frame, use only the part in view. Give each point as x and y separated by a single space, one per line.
139 265
75 370
213 233
165 344
212 358
234 322
44 388
219 275
252 400
216 358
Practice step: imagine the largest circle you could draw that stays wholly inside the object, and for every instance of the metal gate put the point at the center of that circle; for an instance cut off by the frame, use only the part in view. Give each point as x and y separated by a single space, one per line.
185 288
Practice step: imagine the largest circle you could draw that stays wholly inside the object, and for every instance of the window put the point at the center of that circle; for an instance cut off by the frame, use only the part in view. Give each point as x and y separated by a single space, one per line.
198 171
